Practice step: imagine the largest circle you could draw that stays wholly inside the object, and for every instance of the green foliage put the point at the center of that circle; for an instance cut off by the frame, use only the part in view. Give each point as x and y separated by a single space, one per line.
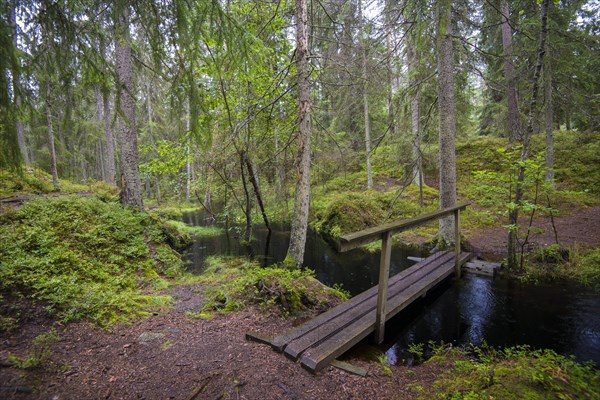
513 373
236 282
196 230
41 350
32 181
346 212
85 258
571 264
417 350
171 212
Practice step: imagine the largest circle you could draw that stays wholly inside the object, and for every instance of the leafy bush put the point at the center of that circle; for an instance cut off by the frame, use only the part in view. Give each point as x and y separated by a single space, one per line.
84 258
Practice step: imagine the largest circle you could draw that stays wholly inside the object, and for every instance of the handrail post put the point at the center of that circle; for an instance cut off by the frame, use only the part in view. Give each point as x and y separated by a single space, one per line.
384 274
457 243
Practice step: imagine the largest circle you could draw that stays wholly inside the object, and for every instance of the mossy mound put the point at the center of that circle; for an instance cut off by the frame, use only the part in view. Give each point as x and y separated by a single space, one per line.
84 258
342 213
512 373
237 282
33 181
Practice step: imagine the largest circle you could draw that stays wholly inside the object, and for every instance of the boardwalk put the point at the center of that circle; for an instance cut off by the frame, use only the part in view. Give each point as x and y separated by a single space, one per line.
320 340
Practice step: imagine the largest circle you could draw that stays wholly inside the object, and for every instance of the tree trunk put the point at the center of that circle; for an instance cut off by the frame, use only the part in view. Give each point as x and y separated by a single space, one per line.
17 87
549 119
248 210
390 78
109 156
415 115
447 124
256 187
295 253
363 47
51 149
131 191
514 120
513 215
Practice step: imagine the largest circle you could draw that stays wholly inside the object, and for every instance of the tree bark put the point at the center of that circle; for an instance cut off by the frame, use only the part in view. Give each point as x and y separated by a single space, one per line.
513 215
514 120
415 115
131 190
295 253
363 47
51 149
256 187
17 87
109 156
248 209
390 78
447 124
549 114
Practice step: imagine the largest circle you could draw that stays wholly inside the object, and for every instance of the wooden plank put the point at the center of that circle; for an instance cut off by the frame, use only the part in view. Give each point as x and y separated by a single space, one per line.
319 356
398 283
280 342
384 274
257 337
398 303
457 243
349 368
357 239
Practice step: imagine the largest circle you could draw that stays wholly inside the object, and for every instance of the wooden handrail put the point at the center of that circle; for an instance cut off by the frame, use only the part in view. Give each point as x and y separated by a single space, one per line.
357 239
385 232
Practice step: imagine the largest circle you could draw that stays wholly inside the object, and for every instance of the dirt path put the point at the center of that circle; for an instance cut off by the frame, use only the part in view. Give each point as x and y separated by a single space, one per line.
172 356
581 227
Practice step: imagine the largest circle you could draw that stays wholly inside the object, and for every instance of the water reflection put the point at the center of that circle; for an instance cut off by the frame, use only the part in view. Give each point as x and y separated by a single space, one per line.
502 313
562 317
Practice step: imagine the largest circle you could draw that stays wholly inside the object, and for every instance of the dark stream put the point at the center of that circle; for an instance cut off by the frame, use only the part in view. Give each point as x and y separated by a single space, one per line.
501 312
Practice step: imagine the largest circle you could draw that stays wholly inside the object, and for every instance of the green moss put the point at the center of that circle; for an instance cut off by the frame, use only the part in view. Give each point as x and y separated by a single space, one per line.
512 373
237 282
342 213
172 212
196 230
85 258
578 264
33 181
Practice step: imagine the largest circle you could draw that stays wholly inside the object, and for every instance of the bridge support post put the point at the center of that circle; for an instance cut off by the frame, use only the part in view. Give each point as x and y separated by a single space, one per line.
384 274
457 243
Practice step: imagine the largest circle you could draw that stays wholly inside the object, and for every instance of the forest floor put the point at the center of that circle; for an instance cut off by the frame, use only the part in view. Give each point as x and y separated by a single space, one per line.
580 227
173 356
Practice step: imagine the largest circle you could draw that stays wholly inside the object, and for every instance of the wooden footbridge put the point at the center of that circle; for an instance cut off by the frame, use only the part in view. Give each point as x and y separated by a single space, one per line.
319 341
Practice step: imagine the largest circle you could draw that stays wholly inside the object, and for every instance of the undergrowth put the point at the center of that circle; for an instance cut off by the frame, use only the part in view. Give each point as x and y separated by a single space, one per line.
234 283
196 230
573 263
84 258
511 373
33 181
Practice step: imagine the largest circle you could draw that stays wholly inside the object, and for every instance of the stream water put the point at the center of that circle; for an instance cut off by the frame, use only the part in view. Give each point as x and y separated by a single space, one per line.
476 309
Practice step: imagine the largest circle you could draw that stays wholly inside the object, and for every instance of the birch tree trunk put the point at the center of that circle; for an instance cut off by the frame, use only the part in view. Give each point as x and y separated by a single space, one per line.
513 215
447 124
295 253
514 120
131 190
